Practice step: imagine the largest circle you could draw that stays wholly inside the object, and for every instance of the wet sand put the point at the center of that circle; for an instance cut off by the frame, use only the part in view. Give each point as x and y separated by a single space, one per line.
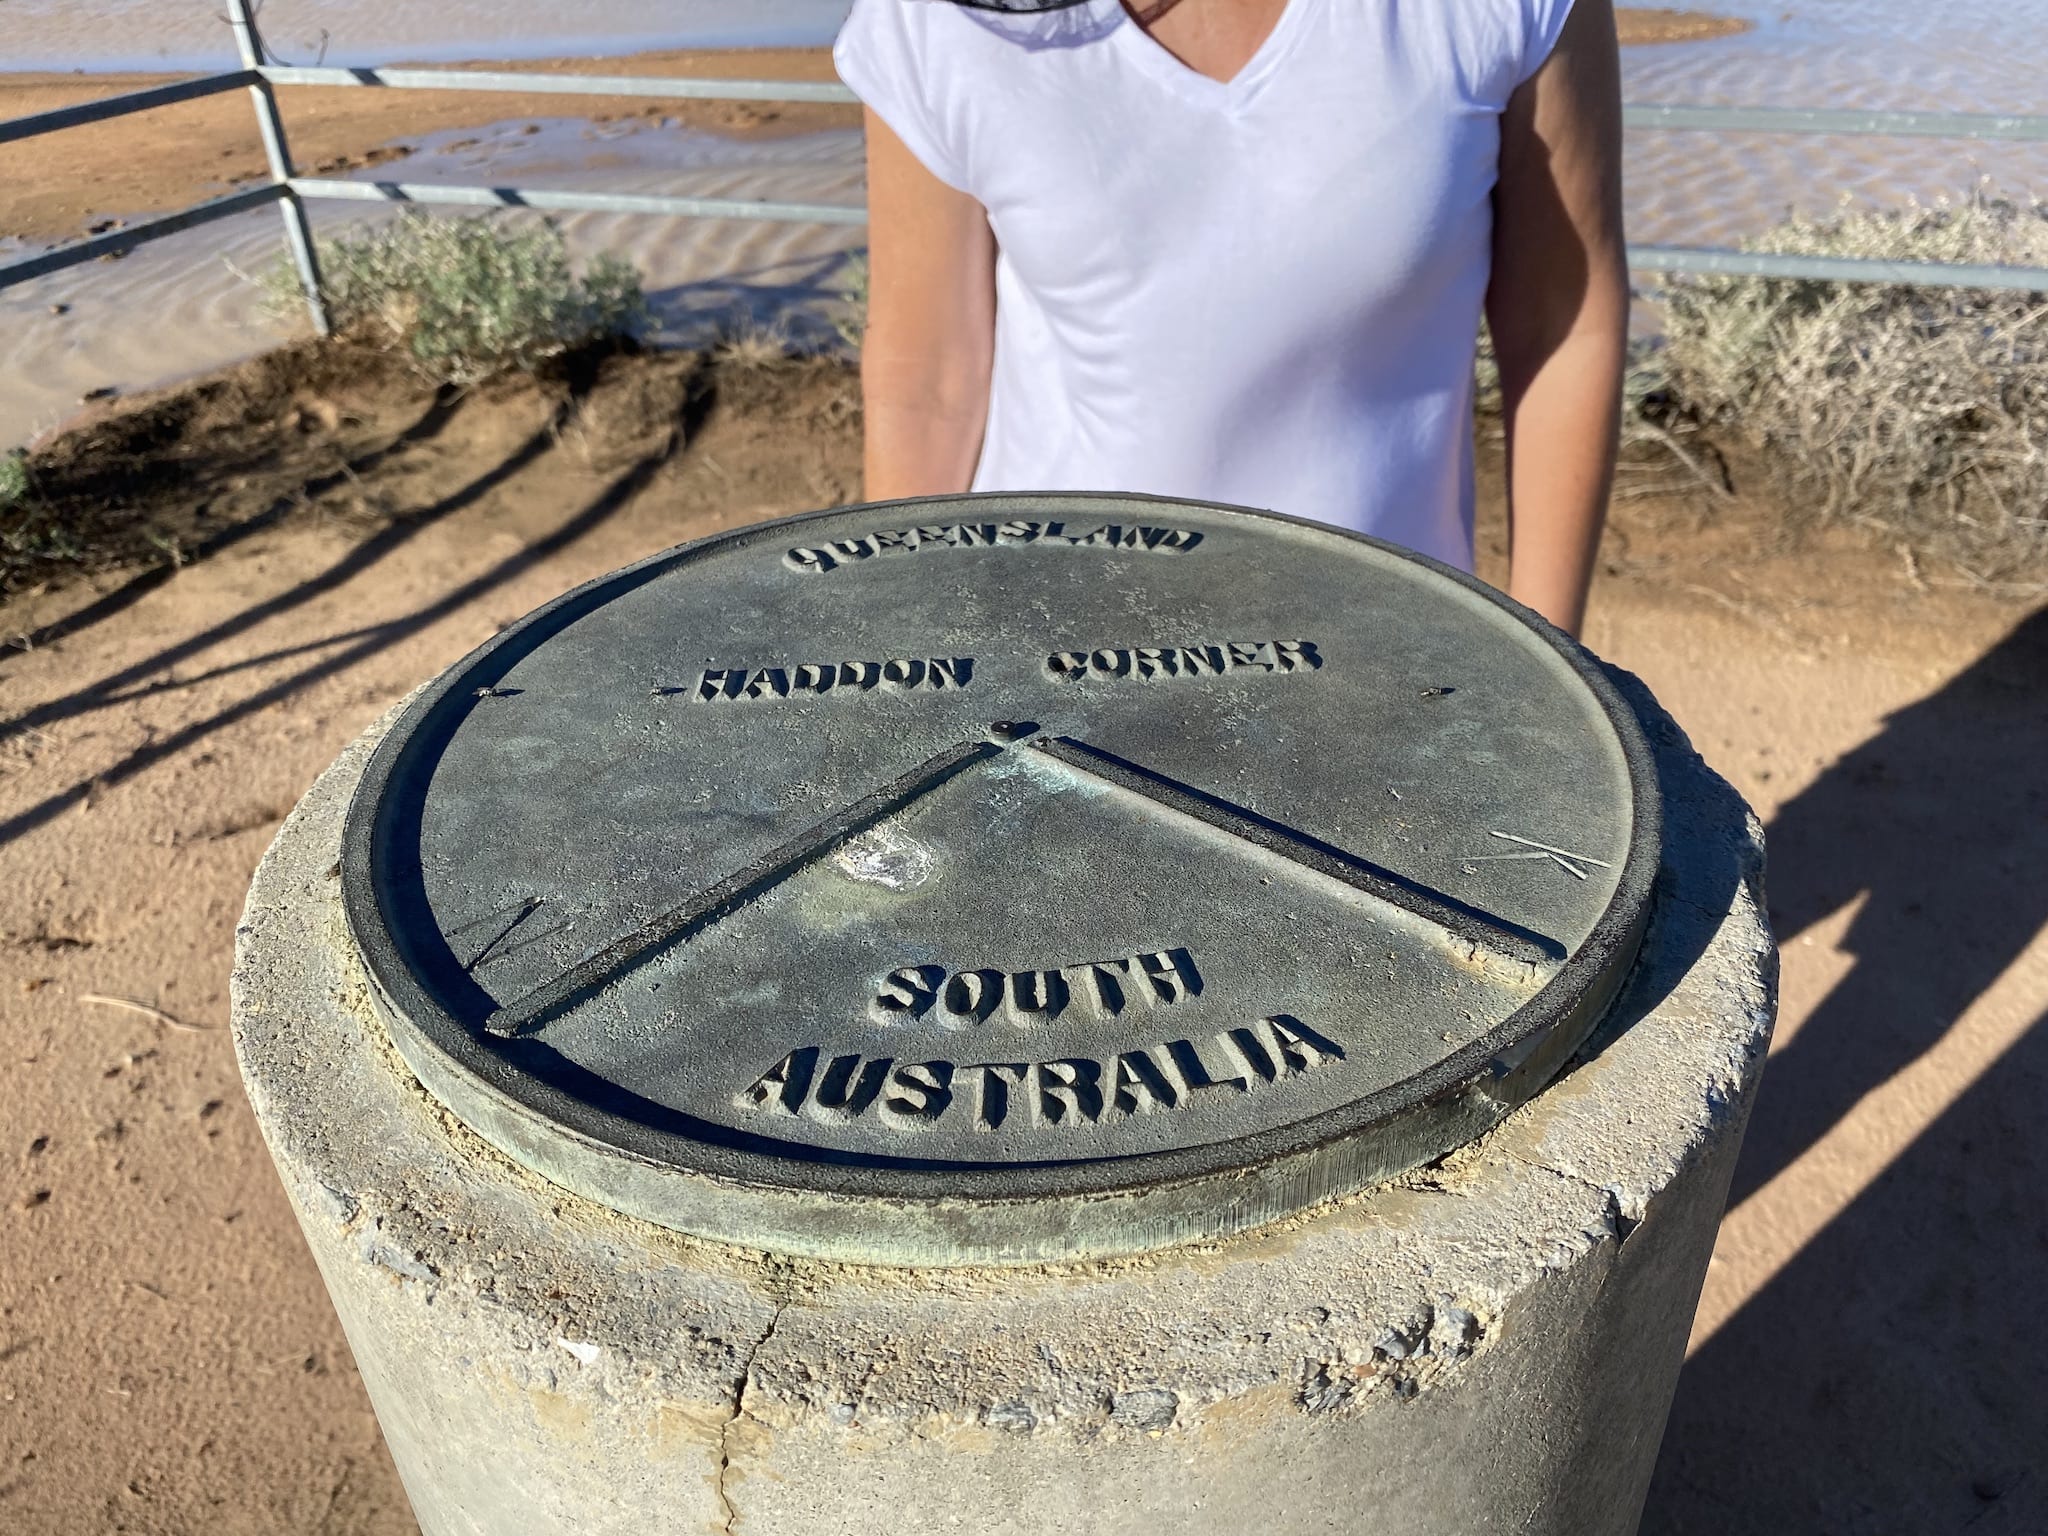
1659 25
156 162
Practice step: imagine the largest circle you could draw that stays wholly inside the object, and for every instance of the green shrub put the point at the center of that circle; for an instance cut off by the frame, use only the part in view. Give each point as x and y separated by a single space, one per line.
471 297
1921 411
14 479
851 317
34 535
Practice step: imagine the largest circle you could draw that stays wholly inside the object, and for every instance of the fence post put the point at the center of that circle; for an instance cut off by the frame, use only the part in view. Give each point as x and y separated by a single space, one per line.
298 232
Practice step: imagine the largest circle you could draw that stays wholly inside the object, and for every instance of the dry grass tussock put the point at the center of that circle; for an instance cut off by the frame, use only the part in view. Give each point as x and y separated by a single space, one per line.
1920 413
742 343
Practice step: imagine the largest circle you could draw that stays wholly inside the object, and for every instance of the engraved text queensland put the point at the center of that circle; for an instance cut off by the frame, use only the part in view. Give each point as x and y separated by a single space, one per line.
909 541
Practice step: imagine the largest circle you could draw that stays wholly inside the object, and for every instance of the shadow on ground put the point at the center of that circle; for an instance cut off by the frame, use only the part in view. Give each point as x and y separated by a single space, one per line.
1884 1354
346 649
801 301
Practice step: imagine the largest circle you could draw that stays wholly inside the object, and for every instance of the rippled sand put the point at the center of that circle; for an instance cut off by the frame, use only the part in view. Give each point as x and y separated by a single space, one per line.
1959 55
186 304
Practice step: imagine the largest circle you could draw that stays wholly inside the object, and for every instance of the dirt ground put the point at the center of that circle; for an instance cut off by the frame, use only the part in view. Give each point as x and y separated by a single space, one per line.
1638 26
1870 1351
158 161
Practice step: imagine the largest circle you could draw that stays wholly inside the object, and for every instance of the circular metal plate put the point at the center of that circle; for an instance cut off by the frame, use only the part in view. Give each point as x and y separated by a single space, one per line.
1001 879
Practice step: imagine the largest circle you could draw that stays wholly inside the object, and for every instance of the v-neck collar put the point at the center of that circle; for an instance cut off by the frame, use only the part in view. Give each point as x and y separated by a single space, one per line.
1154 57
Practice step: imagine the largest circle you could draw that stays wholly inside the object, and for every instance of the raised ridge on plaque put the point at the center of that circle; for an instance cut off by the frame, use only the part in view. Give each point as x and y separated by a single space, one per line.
1046 897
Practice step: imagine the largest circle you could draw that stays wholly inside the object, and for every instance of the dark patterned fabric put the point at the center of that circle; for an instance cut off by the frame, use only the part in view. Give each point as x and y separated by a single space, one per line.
1019 5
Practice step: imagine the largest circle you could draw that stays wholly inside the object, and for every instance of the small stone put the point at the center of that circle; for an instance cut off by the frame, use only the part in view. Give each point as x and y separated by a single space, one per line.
340 1207
1996 1484
1147 1408
386 1255
60 309
1013 1417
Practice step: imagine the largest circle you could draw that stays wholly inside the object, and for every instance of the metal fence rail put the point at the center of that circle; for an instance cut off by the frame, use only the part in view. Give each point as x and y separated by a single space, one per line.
655 87
1914 125
119 242
298 230
262 78
120 106
1706 261
577 202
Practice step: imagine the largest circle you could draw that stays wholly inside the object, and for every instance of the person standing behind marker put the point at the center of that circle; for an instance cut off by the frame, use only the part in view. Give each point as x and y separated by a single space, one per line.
1238 251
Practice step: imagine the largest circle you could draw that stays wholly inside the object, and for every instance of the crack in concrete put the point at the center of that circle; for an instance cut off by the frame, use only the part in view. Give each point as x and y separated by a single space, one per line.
1620 1225
741 1383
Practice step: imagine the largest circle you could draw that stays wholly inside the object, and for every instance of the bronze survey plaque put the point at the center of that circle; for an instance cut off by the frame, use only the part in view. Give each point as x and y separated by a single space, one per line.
1001 879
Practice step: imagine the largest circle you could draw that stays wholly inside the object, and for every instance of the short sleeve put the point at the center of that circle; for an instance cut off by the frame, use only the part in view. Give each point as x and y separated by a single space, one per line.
883 55
1542 24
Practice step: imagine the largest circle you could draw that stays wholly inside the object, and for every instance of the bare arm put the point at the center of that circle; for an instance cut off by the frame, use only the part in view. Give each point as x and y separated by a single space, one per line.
1558 310
930 338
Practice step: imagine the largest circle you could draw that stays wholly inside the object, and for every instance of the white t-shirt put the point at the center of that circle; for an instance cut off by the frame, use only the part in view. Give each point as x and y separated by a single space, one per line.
1264 292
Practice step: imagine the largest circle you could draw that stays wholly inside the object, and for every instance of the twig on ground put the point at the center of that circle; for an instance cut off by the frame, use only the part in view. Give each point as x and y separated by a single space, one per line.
1671 445
147 1010
1912 563
1749 613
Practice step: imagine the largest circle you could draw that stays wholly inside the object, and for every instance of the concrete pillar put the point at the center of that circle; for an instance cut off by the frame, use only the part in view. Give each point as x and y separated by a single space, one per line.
1487 1345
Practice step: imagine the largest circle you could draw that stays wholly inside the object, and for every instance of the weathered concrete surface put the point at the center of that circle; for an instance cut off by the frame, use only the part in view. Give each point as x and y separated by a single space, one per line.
1486 1346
